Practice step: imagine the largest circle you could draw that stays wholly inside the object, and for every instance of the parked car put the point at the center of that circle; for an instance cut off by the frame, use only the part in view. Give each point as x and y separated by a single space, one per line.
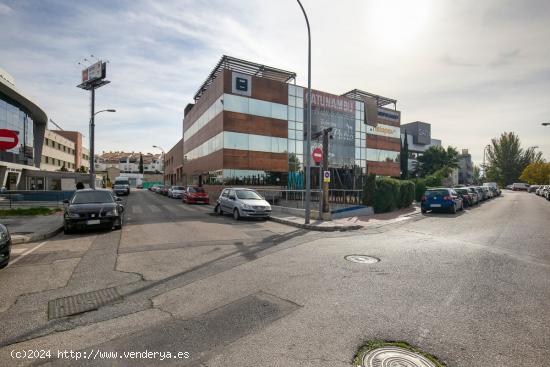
474 194
125 182
467 198
482 193
196 195
5 246
176 192
139 187
533 188
242 202
493 186
444 199
153 188
120 190
520 186
509 187
89 208
159 189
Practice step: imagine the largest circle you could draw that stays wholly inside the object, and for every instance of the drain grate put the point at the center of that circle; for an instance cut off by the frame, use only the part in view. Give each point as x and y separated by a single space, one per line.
395 356
362 259
80 303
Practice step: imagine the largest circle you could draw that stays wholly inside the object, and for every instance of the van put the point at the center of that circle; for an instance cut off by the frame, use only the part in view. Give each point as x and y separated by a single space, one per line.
493 186
520 186
123 182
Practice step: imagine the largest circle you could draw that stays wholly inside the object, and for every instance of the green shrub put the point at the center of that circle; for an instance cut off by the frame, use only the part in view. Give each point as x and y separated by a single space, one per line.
386 196
434 180
369 190
406 193
420 188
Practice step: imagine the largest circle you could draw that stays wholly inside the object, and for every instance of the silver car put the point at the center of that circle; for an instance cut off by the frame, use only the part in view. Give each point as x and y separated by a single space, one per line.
242 202
176 192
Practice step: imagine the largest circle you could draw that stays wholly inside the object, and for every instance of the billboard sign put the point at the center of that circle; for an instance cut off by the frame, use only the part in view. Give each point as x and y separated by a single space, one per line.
94 72
328 110
384 130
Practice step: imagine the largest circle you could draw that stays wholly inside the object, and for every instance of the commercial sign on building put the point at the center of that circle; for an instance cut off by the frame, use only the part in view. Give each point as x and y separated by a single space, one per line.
241 84
384 130
328 110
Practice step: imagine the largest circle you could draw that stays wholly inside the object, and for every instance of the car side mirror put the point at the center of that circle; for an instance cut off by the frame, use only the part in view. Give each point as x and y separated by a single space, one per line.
66 201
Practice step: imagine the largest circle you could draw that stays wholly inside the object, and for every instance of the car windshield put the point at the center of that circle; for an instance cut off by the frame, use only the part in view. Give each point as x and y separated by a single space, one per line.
196 189
92 197
179 188
462 191
248 195
432 193
119 187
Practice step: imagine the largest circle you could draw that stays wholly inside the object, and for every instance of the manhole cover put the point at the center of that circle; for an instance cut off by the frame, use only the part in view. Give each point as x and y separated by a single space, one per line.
395 357
80 303
362 259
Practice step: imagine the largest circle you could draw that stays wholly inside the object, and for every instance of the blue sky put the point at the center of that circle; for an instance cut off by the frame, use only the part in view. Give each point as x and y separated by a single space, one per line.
472 69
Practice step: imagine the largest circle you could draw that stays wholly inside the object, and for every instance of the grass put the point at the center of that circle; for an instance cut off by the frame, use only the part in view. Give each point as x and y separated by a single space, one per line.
27 212
373 344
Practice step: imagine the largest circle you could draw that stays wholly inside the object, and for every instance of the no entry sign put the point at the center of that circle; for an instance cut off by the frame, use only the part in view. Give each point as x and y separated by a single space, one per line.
317 155
8 139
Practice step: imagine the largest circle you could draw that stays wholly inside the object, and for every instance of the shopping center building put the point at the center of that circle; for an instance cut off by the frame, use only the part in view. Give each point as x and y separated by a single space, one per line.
246 126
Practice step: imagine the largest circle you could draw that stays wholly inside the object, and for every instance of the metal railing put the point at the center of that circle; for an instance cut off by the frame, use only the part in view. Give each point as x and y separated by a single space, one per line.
33 199
338 198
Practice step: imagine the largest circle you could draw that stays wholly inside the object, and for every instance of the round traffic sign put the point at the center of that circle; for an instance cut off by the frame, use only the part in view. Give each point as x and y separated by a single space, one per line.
8 139
317 155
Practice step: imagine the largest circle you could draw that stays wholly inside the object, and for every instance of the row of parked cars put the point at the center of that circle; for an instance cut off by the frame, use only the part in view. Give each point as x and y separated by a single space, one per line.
457 198
239 202
541 190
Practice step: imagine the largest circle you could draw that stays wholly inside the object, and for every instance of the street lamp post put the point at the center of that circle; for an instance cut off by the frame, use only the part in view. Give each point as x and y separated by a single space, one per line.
163 165
92 140
308 126
545 123
484 166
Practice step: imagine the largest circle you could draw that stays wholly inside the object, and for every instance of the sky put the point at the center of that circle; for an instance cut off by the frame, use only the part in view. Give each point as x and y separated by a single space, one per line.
472 69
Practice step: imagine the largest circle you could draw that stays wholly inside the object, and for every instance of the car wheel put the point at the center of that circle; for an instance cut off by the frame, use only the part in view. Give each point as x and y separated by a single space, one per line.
6 264
423 211
118 224
453 210
236 214
218 210
66 229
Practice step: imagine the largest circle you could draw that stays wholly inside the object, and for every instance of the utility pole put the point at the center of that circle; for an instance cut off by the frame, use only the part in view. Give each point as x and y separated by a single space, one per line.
326 136
92 141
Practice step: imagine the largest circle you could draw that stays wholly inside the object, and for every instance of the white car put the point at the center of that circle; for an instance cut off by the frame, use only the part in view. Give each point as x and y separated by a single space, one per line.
176 192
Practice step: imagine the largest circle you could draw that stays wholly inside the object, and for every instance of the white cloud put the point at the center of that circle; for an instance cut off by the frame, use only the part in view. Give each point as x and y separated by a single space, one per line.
5 9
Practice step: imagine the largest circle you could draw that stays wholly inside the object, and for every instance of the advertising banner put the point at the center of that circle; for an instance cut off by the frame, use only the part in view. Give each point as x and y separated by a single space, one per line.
384 130
328 110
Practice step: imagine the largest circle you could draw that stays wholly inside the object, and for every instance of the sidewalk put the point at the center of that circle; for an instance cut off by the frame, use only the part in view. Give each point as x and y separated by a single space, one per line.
351 223
33 228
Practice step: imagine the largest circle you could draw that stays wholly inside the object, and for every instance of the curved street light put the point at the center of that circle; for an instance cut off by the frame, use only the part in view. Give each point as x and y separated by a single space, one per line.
92 142
163 164
545 123
308 125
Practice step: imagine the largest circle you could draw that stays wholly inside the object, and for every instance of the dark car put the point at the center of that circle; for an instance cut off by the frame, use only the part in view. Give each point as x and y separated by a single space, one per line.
467 198
196 195
444 199
91 209
120 190
5 246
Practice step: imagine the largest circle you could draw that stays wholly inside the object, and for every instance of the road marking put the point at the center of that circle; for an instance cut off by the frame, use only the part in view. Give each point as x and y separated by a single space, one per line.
17 250
26 253
137 210
154 208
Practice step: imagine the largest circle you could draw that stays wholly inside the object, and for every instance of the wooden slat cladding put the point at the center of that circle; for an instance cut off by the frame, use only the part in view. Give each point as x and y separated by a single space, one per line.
262 88
249 124
204 164
384 168
382 142
214 91
243 159
211 129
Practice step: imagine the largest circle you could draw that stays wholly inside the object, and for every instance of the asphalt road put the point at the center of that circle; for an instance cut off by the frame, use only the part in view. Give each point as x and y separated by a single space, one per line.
472 288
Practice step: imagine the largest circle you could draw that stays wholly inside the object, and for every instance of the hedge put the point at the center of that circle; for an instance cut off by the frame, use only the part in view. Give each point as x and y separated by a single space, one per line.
387 194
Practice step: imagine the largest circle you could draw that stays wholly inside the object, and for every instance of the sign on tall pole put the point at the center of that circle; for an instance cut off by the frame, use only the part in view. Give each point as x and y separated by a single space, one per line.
93 77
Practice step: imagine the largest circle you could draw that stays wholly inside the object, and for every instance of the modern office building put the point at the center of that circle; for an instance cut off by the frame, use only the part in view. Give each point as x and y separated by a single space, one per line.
173 174
418 135
27 123
465 168
246 126
82 154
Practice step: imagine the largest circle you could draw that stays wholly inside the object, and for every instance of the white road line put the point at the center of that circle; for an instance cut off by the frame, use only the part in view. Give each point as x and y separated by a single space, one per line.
26 253
137 210
154 208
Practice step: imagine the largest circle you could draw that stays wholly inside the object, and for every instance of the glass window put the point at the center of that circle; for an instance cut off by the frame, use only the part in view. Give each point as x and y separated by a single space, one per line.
291 89
291 125
299 91
300 102
292 101
279 111
235 103
291 113
233 140
292 134
259 143
300 126
260 108
300 114
292 146
299 147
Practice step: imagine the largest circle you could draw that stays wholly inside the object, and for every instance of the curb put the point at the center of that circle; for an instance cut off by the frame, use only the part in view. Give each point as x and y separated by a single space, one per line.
312 227
18 239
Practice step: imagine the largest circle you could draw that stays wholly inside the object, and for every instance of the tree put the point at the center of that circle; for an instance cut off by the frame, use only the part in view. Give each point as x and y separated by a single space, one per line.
82 169
537 173
140 163
404 156
507 159
437 158
63 168
476 175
